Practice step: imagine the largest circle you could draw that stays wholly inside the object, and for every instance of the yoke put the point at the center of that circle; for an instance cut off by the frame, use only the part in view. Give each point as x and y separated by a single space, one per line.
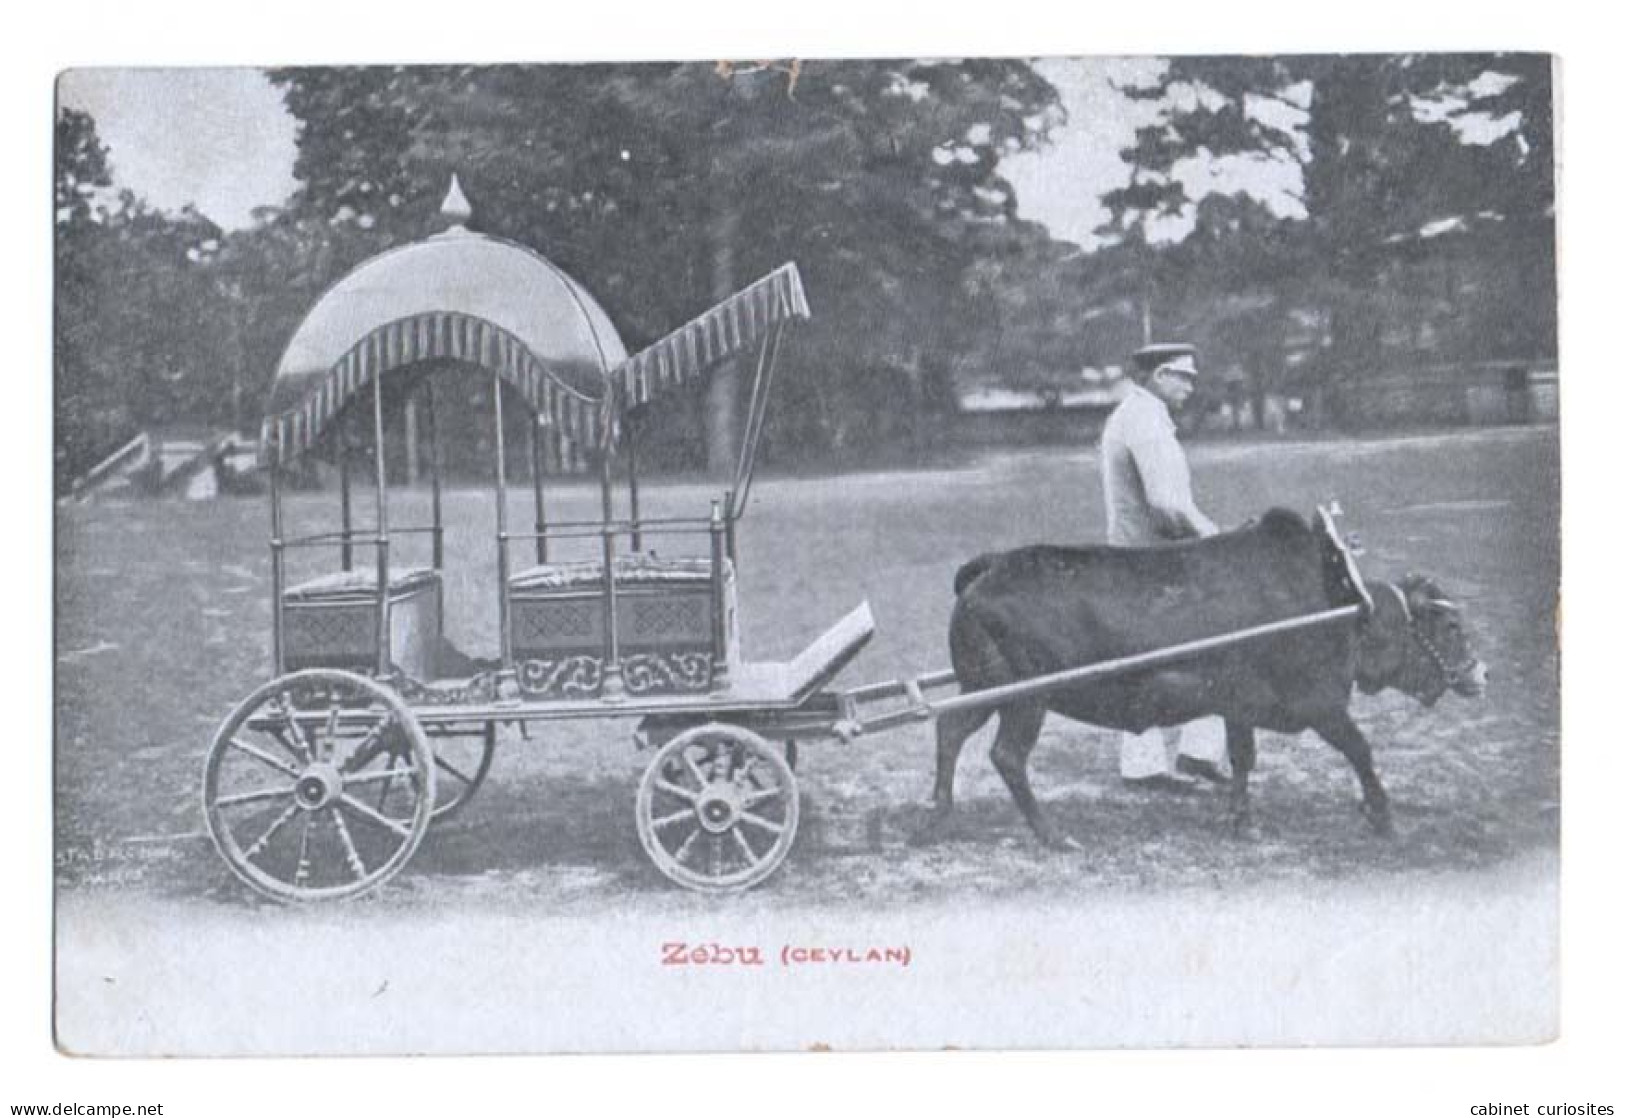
1344 569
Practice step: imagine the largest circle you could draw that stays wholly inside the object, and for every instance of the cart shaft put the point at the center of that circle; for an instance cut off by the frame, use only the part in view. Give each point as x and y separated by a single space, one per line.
919 709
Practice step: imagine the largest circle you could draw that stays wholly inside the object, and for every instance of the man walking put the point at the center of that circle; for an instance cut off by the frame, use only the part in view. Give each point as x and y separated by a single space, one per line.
1149 501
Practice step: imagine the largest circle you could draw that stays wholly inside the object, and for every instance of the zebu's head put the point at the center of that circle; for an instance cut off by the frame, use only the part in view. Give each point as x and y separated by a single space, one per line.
1414 641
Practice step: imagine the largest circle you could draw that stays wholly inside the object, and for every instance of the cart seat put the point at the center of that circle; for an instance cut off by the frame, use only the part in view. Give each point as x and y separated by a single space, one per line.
673 628
332 621
629 570
360 583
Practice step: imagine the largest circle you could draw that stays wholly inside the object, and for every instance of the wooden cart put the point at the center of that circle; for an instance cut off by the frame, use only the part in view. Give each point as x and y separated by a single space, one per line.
323 781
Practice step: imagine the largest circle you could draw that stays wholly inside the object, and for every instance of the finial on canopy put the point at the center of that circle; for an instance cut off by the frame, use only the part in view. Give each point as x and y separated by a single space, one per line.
455 208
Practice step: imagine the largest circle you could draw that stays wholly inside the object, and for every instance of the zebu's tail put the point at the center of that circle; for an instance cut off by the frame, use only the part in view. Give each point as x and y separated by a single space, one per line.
972 571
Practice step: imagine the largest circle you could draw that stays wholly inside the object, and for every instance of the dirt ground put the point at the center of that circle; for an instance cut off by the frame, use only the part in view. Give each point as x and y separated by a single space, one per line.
164 624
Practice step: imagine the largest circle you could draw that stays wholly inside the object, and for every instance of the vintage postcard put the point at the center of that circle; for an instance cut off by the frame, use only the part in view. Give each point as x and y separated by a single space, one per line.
795 554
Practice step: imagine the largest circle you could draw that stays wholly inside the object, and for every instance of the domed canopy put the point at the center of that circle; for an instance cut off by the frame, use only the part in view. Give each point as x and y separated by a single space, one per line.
464 297
457 295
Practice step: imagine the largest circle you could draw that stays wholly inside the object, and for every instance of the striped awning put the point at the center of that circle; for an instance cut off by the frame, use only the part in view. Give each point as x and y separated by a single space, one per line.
425 337
736 325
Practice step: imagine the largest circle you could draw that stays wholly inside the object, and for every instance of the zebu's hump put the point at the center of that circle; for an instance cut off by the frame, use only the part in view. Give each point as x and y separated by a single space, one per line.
1283 523
1028 568
972 571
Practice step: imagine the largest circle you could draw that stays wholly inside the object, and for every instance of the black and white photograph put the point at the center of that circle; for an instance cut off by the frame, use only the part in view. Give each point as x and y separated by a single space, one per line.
868 553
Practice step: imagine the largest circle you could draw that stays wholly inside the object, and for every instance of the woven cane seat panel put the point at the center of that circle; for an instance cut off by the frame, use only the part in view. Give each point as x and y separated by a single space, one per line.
330 636
646 619
558 625
337 627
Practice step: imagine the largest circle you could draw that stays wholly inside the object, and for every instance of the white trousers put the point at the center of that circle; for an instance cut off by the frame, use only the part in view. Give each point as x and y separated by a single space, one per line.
1148 754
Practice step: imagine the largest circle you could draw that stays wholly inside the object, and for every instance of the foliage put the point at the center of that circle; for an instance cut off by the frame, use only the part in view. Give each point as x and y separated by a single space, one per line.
138 313
1406 192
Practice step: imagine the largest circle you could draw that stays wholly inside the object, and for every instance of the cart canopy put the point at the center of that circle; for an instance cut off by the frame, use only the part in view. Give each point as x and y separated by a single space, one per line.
461 296
493 304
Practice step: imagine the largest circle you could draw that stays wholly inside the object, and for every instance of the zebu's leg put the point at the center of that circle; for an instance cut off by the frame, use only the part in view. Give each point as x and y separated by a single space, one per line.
978 663
1019 724
1340 731
953 730
1241 743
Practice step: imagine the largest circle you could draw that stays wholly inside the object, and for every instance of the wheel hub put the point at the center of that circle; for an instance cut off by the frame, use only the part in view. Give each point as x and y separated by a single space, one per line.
719 807
318 786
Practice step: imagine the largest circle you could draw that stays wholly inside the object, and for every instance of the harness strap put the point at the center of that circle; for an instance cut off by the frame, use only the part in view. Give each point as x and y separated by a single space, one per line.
1452 674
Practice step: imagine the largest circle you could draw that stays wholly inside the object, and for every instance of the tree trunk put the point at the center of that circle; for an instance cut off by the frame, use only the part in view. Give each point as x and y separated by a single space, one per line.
411 424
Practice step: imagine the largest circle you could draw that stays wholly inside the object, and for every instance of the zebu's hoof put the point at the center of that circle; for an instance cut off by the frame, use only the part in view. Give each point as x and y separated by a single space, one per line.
1056 841
1243 829
1382 824
933 831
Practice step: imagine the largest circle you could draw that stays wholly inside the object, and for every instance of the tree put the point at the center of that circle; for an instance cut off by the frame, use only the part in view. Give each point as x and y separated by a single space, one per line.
81 170
1380 146
137 339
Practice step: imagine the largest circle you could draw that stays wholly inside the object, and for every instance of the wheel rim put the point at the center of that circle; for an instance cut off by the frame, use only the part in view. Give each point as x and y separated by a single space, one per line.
461 762
319 785
717 808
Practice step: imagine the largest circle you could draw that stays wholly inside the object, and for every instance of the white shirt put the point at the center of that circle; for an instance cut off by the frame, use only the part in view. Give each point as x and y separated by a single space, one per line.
1147 479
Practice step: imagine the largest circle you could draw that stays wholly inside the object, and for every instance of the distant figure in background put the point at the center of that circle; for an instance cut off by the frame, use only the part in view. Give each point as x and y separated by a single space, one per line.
1149 501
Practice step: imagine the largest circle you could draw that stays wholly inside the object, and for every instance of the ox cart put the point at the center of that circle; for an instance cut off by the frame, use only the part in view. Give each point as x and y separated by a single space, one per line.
323 782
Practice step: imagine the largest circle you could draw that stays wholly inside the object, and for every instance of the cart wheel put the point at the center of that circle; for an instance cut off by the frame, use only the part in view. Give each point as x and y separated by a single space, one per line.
461 762
319 785
717 808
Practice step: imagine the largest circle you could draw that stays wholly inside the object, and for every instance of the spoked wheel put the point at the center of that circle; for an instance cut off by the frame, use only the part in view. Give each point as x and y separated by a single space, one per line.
319 785
717 808
461 761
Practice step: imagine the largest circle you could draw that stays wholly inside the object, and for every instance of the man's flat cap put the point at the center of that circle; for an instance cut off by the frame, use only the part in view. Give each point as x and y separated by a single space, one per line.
1177 355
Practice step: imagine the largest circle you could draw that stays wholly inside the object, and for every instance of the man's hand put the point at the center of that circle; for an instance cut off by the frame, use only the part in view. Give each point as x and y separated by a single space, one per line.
1175 523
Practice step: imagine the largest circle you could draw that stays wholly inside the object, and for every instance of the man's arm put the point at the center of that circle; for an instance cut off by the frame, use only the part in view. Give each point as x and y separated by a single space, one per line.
1166 477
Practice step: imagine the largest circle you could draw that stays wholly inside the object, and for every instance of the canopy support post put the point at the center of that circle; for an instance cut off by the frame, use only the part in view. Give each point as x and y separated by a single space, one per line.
631 429
537 453
729 518
767 361
613 686
276 564
437 530
503 617
381 487
342 452
719 621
